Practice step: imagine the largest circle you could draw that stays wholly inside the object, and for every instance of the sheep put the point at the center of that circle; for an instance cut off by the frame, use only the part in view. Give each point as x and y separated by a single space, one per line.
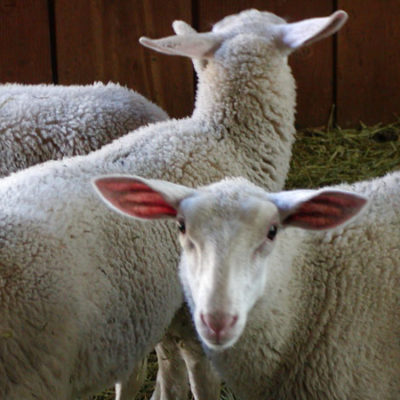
85 296
287 309
180 337
48 122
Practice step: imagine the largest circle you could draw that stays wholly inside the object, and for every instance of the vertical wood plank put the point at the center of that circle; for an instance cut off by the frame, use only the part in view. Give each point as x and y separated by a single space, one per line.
369 63
312 66
25 41
97 40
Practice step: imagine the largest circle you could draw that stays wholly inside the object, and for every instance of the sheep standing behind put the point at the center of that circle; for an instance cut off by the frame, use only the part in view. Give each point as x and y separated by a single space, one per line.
287 313
49 122
85 293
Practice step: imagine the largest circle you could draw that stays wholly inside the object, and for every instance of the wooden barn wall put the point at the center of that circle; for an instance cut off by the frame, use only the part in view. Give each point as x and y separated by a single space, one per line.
25 50
81 41
368 62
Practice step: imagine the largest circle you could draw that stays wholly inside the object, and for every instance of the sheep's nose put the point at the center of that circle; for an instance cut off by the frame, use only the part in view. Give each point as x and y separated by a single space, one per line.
219 323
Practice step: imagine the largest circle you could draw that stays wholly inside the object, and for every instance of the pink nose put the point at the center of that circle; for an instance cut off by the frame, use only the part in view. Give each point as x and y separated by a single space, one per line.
218 322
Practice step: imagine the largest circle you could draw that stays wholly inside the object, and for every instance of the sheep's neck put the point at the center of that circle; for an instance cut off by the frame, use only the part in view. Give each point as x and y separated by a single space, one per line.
256 109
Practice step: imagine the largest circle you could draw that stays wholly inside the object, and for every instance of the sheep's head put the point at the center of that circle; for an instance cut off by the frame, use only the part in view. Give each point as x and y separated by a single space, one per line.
249 32
227 232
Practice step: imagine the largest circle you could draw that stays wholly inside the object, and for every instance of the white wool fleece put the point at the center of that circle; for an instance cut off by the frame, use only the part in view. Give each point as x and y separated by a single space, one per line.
328 323
86 293
49 122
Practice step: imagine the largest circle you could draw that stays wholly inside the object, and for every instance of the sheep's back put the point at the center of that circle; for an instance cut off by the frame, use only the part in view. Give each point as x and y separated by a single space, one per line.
46 122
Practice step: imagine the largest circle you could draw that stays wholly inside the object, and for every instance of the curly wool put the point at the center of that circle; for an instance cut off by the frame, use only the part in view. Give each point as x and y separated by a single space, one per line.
328 323
48 122
95 292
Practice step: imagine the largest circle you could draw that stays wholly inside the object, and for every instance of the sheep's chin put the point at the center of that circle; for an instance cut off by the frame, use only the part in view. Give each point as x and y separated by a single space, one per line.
221 346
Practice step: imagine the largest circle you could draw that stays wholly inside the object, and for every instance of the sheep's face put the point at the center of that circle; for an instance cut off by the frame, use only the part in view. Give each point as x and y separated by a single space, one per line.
232 254
224 266
228 234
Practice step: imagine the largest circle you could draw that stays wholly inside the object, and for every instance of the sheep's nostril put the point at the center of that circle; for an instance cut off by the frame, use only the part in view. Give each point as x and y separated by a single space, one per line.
219 322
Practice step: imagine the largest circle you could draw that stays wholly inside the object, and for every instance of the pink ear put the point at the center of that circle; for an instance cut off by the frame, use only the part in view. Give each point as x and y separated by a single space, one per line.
134 197
326 210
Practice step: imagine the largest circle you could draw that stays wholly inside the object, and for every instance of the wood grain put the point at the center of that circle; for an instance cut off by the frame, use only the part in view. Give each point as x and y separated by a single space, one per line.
312 66
25 41
369 63
97 40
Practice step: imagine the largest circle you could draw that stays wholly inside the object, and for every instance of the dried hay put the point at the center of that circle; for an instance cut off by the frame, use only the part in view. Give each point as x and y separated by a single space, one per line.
330 156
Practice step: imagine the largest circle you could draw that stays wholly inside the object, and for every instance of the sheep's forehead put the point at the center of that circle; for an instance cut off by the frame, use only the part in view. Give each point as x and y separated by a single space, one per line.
247 20
214 210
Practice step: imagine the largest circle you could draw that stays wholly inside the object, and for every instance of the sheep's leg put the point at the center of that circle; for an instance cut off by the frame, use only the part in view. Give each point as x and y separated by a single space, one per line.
182 361
172 379
205 384
128 389
204 381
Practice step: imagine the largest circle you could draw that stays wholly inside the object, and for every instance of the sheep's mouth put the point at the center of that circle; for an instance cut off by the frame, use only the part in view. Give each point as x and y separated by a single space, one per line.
219 342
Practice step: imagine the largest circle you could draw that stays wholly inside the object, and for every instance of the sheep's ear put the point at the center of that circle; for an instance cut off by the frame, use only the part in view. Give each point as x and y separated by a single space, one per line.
193 45
318 210
182 28
298 34
139 197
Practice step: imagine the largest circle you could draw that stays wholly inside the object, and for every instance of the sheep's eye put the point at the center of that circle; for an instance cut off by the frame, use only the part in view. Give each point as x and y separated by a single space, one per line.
181 226
273 230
